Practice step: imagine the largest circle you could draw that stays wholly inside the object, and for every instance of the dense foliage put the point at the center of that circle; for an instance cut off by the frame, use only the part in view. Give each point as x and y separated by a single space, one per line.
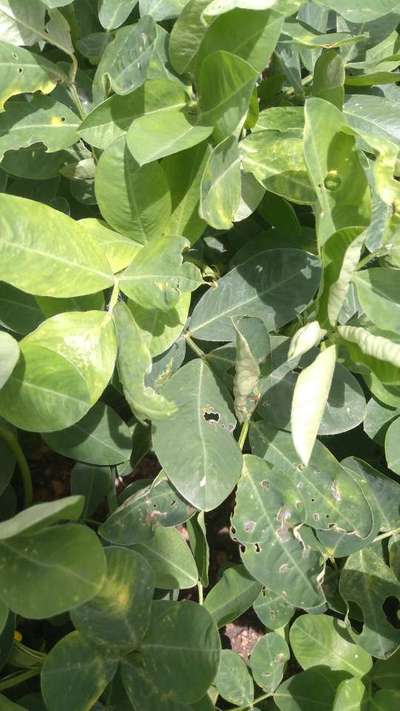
200 277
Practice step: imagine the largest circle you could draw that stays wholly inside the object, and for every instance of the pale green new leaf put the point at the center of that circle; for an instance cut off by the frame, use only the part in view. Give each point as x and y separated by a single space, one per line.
378 291
220 187
157 276
47 253
9 355
42 120
309 401
225 87
143 400
63 369
207 448
305 338
134 200
247 372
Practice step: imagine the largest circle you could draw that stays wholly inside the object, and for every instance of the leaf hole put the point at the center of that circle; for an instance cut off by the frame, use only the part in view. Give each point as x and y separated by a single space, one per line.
391 608
257 548
20 70
211 416
265 484
14 55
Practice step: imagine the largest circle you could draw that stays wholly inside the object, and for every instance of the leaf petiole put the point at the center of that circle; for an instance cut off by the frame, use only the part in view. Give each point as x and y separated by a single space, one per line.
12 442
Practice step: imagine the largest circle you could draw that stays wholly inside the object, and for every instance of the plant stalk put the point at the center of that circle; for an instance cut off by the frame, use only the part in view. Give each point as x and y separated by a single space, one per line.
243 434
15 679
15 447
194 347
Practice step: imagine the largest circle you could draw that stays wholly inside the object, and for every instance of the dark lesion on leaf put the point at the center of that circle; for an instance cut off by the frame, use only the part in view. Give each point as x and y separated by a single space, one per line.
210 415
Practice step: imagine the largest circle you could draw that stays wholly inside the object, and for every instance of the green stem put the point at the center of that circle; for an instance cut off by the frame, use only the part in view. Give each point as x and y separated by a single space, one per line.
254 703
13 444
77 100
194 347
386 535
15 679
114 296
200 592
243 434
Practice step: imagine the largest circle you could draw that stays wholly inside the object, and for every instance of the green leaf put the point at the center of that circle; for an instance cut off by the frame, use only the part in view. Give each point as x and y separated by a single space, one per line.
163 327
225 86
113 13
288 566
309 401
281 118
276 161
143 400
273 285
163 132
377 419
361 10
118 250
233 680
124 64
42 120
137 518
267 661
187 34
119 615
170 558
19 312
20 23
184 172
75 673
157 276
271 608
322 495
134 200
63 369
385 700
9 356
112 118
181 650
65 566
316 638
392 449
335 170
197 532
40 516
24 72
247 370
329 76
314 688
220 185
47 253
378 294
245 33
161 9
350 696
94 483
101 437
385 672
366 580
207 448
373 115
232 595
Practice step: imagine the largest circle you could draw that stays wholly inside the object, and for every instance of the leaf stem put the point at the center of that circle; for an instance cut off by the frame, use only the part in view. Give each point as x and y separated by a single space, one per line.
194 347
200 592
243 434
76 99
12 443
386 535
251 706
15 679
